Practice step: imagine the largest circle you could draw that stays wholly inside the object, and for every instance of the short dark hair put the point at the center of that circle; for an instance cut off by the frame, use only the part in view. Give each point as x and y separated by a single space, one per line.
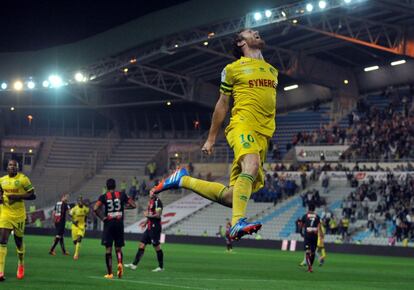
311 207
110 184
236 49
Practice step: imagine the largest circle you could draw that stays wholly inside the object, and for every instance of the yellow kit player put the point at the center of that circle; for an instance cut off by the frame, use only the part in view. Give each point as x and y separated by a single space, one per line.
320 247
15 187
251 82
79 214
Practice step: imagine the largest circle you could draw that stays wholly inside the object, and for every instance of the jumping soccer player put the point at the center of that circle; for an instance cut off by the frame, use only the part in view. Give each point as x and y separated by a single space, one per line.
114 203
59 216
79 214
251 82
15 188
311 228
152 234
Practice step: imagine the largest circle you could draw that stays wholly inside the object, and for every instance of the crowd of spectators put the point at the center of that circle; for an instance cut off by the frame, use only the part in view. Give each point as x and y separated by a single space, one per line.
387 206
372 134
275 189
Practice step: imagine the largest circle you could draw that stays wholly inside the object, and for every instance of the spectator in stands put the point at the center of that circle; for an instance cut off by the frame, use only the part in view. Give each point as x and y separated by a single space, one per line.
143 188
303 180
124 186
344 223
152 169
133 190
190 168
276 155
325 182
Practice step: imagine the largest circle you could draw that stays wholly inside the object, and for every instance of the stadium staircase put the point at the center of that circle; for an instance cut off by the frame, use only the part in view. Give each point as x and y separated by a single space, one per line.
132 155
281 225
288 125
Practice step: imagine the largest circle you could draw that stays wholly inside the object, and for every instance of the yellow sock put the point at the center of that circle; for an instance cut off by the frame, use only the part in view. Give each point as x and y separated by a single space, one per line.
20 255
323 253
3 254
77 248
241 195
210 190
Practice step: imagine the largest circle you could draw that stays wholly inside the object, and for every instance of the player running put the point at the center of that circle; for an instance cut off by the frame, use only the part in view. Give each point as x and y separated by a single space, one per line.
59 215
79 214
114 203
251 81
311 228
152 234
15 188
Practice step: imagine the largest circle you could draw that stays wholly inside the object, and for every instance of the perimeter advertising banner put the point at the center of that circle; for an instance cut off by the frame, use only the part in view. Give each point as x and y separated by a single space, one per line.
314 153
364 176
173 212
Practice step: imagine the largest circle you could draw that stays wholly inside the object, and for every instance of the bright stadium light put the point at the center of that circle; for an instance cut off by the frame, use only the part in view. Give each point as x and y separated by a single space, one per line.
257 16
4 86
79 77
398 62
322 4
31 85
55 81
268 13
371 68
18 85
347 1
45 84
289 88
309 7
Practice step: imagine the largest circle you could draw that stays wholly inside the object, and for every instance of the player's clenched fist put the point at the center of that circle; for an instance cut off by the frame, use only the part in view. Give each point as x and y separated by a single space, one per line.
208 147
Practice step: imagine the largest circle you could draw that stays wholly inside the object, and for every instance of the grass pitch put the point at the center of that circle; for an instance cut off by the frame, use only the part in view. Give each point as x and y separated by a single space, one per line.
202 267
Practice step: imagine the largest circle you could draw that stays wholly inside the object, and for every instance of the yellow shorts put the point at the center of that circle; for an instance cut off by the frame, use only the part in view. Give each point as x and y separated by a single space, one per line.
243 140
77 232
17 225
320 244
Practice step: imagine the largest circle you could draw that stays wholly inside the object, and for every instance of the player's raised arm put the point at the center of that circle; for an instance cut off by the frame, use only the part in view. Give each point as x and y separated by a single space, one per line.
97 210
219 114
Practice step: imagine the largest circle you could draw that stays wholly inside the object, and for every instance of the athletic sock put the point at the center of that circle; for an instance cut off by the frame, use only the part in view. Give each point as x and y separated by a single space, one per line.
108 260
138 256
210 190
20 254
323 253
308 260
3 254
62 245
160 258
77 249
241 195
119 256
312 258
55 242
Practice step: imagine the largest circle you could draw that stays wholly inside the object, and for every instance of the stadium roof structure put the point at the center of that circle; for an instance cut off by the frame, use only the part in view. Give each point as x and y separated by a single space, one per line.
179 52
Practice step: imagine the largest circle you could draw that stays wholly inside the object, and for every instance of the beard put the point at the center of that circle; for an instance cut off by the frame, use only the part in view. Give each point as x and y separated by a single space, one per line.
257 44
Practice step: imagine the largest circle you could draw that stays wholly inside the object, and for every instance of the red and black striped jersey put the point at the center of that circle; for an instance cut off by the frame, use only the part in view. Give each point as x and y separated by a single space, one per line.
114 204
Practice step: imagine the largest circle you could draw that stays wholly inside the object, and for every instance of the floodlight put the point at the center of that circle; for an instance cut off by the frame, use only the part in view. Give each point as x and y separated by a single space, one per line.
289 88
268 13
31 85
309 7
55 81
371 68
322 4
45 84
398 62
79 77
18 85
257 16
4 86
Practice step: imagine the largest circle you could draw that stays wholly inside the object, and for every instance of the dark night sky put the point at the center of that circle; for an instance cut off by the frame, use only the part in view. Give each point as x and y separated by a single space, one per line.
37 24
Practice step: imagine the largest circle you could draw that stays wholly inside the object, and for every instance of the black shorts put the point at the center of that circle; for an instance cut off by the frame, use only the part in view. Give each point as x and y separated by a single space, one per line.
311 242
60 229
152 235
113 233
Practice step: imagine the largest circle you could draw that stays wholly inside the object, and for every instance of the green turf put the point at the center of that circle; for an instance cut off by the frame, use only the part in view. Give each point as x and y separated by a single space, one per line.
204 267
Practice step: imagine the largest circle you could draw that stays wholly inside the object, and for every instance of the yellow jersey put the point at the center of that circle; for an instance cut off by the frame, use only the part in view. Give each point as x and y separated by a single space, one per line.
79 215
252 83
16 185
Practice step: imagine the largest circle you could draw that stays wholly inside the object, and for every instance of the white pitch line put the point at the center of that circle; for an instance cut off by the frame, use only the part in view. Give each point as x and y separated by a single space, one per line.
148 283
